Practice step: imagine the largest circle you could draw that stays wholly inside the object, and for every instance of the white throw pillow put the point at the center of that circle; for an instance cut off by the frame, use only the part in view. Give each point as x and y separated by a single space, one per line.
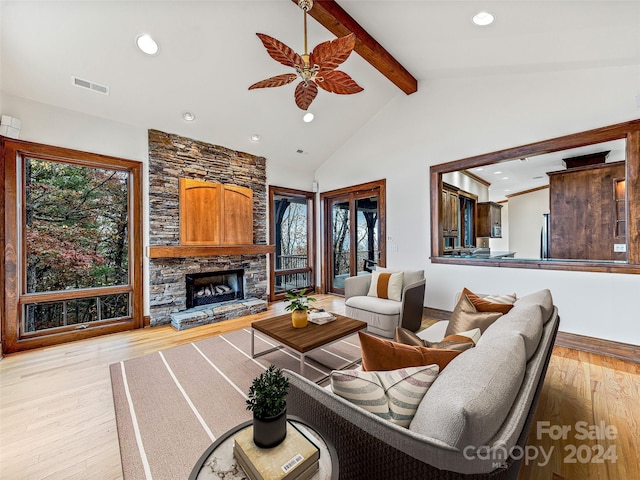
393 395
386 285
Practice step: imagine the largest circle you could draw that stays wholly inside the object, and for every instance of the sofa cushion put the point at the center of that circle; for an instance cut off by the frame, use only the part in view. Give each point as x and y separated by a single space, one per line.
377 305
471 398
393 395
381 354
542 298
490 303
466 317
452 342
524 320
410 276
386 285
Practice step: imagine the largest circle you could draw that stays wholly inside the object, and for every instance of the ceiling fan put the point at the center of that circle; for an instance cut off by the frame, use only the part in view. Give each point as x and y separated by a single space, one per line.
316 69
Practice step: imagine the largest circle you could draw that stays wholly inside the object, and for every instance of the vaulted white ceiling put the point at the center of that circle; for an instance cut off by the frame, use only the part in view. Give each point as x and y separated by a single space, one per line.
209 55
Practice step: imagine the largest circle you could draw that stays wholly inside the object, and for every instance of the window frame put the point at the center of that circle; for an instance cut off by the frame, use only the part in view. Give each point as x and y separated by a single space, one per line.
14 294
377 188
311 239
627 130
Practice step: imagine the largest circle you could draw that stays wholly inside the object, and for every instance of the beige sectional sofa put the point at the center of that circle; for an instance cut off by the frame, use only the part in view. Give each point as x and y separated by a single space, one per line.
479 407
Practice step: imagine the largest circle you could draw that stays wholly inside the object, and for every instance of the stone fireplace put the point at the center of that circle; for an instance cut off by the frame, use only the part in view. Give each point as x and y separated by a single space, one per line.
172 157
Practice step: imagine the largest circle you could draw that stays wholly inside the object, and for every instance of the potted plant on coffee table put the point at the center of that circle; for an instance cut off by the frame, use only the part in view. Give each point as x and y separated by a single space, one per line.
298 306
267 400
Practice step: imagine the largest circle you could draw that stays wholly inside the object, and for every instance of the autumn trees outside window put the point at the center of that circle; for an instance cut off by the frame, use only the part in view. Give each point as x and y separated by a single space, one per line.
76 231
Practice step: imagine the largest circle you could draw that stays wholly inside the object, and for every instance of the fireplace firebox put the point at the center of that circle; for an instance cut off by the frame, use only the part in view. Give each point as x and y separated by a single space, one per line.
214 287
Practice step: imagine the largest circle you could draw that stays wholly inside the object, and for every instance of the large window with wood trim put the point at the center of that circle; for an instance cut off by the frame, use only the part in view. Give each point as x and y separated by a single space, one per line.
70 217
291 232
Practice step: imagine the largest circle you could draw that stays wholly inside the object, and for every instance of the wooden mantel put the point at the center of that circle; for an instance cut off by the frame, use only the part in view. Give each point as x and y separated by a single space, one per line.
185 251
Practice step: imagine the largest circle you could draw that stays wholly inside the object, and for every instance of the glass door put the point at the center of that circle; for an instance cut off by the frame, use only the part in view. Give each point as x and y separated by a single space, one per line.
368 241
291 231
354 235
340 243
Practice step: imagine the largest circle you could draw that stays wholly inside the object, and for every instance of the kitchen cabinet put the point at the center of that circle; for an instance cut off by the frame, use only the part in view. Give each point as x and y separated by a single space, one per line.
587 212
489 220
450 213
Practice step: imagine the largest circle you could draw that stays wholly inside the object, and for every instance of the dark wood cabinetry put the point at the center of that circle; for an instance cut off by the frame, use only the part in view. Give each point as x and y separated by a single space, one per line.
489 221
587 212
450 213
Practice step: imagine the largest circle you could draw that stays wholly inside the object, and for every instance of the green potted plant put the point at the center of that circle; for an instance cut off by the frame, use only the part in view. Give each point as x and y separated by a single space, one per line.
298 306
267 400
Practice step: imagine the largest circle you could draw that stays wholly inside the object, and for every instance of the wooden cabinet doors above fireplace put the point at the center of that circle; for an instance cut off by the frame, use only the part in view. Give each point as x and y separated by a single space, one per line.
215 214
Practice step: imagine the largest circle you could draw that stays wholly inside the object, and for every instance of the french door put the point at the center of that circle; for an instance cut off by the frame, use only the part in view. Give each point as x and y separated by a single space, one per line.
73 245
354 235
291 213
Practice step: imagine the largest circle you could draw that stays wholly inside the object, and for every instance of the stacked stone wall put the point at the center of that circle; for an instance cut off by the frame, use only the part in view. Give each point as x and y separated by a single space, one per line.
172 157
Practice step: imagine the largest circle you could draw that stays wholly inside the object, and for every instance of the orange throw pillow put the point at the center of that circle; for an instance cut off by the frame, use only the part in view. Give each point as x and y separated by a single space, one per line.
487 305
379 354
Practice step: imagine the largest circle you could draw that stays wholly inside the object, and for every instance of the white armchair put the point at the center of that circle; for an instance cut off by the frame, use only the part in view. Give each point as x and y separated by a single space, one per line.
384 315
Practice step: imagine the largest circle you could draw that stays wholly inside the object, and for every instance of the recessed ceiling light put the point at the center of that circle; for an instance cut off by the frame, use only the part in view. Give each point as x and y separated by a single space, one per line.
308 117
255 138
188 117
479 169
497 172
147 44
505 178
483 19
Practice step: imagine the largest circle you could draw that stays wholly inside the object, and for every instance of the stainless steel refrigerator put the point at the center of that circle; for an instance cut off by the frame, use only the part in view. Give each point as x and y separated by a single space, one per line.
545 237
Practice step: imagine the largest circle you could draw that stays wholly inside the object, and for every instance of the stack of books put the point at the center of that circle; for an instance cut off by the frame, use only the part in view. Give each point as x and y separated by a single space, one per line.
296 458
320 316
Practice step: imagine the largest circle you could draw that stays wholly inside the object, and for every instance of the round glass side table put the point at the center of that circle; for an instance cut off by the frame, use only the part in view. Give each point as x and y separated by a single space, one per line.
218 461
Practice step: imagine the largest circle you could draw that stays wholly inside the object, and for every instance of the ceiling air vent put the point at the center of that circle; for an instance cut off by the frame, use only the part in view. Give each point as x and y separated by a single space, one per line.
96 87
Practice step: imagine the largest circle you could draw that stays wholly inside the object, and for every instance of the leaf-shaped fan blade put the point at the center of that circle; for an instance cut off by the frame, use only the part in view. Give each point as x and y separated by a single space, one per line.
305 93
279 51
277 81
338 82
328 55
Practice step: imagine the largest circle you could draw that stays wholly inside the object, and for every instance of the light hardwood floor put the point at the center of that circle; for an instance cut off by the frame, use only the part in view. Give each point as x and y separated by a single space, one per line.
57 419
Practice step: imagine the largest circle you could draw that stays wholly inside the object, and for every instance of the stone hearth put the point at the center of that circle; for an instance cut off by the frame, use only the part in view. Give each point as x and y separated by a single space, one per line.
172 157
216 312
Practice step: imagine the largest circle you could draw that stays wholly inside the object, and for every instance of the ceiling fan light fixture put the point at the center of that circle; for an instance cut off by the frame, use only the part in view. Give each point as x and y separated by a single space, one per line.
146 44
308 117
483 19
315 69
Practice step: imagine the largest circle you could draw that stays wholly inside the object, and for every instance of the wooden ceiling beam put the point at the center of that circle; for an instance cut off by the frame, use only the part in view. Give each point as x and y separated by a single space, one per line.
333 17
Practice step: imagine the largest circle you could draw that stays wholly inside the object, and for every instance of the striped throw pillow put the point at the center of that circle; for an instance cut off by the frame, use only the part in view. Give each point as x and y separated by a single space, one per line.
491 303
386 285
393 395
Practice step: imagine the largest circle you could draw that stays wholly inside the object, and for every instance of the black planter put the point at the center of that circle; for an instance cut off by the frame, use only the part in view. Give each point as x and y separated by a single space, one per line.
271 431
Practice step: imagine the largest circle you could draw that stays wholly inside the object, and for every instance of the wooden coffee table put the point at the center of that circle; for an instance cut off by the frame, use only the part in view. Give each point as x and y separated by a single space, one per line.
303 340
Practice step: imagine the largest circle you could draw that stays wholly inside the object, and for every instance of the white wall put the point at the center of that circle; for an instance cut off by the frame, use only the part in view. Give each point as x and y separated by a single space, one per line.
525 222
450 119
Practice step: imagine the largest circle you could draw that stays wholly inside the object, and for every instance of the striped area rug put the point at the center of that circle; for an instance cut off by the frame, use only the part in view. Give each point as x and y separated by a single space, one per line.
171 405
